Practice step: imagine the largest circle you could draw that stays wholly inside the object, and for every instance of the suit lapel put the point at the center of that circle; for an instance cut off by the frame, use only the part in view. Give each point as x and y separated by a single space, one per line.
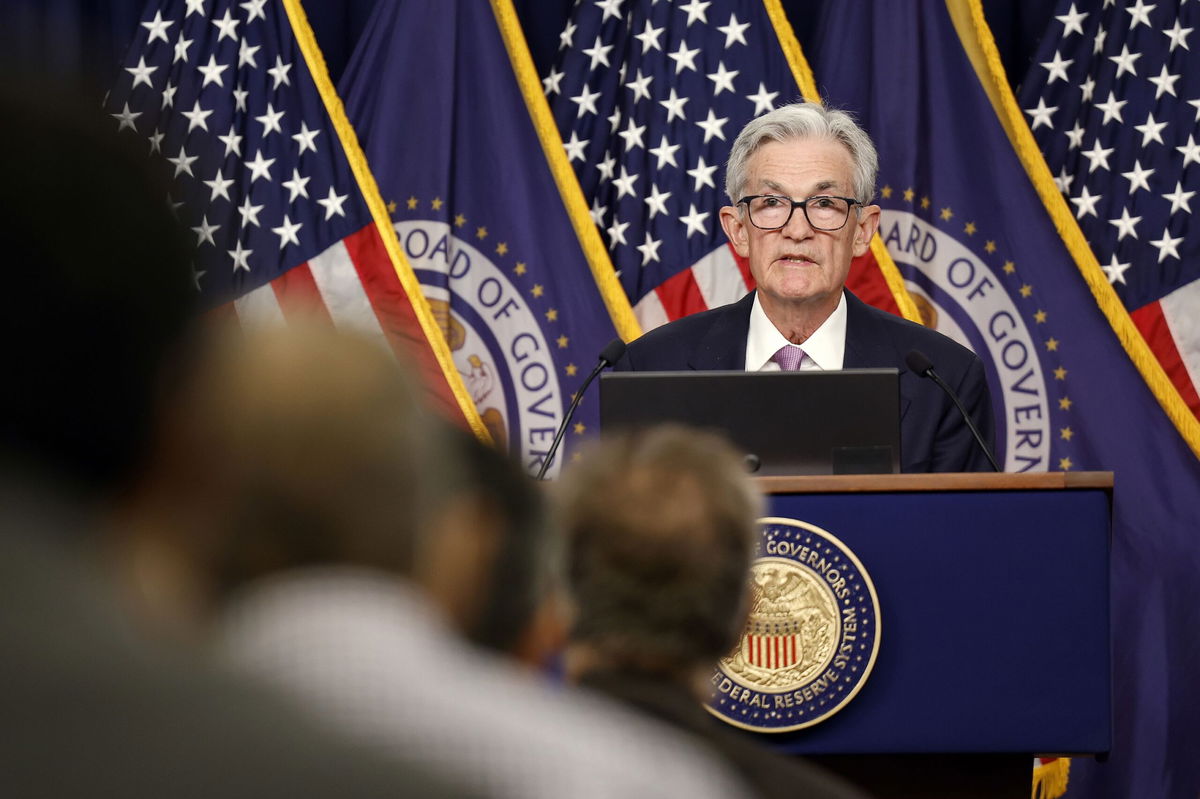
868 347
723 346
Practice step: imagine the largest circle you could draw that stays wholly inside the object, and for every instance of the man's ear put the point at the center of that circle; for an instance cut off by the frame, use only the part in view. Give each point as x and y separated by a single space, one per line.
736 230
864 228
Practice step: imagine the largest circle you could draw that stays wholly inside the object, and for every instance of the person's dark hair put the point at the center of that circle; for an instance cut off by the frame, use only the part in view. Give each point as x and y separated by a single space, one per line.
520 571
660 530
100 291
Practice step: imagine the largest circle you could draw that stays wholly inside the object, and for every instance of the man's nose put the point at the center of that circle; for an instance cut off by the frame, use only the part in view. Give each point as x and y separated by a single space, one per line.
798 227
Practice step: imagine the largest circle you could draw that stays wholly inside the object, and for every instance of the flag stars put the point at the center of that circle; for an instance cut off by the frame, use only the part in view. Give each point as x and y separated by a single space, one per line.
683 58
1167 246
1060 373
632 136
1140 15
969 228
537 290
306 138
1040 316
624 184
204 233
260 167
611 8
1064 464
157 27
219 186
674 105
989 247
598 52
227 25
1112 109
1026 290
1190 151
297 186
712 126
1058 68
1164 83
1072 21
254 10
649 249
551 84
411 202
332 203
1178 36
1041 115
460 220
763 100
391 206
239 99
1065 404
183 163
1115 271
571 369
481 233
1180 199
886 192
1097 157
567 37
649 38
580 428
197 117
616 233
909 194
1126 225
1075 136
240 256
270 121
1066 433
586 101
946 214
502 248
694 220
181 49
1009 267
287 232
1150 130
640 86
1052 344
722 79
562 342
246 54
656 202
279 73
1126 61
520 268
735 32
665 153
702 174
141 73
212 72
1085 203
1087 89
436 203
696 11
926 202
249 213
552 315
126 118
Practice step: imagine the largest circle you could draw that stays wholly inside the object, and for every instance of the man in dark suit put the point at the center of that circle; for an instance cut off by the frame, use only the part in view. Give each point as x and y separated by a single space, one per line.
801 179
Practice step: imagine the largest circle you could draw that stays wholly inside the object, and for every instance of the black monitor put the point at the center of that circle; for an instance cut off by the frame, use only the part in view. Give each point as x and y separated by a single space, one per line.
810 422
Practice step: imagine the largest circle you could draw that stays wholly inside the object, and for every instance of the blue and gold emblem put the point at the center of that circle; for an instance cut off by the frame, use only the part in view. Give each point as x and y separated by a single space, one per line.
811 637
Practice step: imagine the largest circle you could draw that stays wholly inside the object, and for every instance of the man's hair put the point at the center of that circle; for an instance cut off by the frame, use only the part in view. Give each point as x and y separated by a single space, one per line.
660 529
100 290
316 447
520 574
806 120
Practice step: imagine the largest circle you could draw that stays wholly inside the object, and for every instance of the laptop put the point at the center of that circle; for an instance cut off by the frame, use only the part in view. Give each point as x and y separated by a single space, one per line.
808 422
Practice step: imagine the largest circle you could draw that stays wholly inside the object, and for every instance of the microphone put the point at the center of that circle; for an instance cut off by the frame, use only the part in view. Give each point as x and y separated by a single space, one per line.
611 353
920 363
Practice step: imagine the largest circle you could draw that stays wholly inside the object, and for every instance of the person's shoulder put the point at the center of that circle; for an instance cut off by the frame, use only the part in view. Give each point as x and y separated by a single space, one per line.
907 335
670 346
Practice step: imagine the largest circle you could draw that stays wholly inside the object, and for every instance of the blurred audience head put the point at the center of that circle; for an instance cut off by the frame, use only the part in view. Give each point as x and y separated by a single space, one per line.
487 558
660 530
101 291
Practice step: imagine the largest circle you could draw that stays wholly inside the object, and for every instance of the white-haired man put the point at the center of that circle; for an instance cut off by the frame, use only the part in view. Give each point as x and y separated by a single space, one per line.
801 180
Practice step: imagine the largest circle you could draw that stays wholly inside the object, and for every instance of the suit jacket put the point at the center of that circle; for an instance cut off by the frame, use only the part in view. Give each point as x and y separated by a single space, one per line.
933 436
769 773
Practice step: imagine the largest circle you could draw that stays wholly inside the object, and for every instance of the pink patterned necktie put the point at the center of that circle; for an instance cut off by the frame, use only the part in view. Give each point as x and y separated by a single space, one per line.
788 357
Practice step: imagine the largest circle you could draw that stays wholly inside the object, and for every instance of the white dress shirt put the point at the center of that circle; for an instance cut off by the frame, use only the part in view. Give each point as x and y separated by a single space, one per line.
369 656
824 349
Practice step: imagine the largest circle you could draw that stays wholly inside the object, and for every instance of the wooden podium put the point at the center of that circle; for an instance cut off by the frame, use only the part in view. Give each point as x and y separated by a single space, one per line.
994 617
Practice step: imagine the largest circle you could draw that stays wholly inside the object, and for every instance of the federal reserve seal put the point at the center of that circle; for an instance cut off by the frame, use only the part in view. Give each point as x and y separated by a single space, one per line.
811 638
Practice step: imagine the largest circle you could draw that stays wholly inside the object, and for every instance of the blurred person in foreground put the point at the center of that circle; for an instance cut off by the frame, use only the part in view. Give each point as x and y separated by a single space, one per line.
660 530
101 297
356 555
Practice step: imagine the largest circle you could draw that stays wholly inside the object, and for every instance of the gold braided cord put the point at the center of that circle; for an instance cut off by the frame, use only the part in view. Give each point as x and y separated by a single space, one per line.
802 72
383 223
976 37
615 300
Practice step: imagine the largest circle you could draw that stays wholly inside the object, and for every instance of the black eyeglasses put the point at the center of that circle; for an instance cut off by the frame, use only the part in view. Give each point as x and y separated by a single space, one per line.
823 212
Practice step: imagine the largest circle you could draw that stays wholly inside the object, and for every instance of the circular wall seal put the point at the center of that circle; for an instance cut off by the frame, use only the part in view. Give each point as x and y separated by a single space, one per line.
811 637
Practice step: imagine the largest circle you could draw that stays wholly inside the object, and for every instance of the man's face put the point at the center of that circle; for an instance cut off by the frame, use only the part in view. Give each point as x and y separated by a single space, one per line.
797 265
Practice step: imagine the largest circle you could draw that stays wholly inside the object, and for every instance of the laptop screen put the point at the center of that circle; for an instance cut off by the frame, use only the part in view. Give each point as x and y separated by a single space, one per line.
810 422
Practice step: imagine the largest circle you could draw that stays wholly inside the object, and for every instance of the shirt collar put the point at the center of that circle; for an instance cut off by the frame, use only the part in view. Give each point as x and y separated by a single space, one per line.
826 347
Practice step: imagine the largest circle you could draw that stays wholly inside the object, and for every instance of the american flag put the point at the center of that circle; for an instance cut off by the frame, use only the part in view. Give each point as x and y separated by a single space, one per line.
649 98
1114 103
235 100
